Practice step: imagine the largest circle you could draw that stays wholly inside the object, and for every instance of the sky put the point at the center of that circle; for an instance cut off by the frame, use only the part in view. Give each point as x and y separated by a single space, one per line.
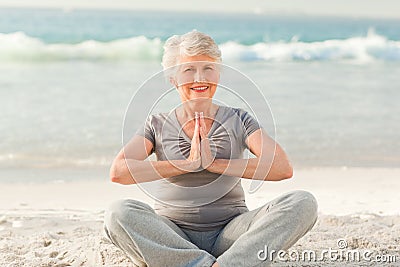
348 8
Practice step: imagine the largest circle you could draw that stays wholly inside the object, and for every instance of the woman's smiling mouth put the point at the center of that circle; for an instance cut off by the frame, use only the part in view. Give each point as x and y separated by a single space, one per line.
199 88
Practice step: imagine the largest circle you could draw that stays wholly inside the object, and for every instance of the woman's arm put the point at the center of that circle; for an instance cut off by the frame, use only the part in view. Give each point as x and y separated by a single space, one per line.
130 167
271 162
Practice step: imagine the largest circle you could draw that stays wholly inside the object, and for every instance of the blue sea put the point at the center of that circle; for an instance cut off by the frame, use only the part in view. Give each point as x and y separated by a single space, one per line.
67 77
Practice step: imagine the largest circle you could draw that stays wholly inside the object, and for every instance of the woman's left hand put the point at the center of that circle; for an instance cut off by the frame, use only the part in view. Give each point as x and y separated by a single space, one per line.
206 156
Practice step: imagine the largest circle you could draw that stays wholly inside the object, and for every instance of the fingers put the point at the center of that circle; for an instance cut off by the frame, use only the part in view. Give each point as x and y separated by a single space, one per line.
196 134
202 126
195 155
199 127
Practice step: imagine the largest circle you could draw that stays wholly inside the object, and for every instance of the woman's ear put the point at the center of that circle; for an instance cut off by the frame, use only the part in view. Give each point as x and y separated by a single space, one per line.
173 82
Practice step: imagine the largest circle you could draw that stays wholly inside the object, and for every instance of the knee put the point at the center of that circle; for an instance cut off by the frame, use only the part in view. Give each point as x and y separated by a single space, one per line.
305 203
120 209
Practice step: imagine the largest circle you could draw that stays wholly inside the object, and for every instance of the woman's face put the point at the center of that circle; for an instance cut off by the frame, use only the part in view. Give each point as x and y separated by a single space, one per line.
196 77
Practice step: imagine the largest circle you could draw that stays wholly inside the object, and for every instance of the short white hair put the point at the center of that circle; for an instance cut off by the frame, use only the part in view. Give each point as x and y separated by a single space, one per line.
192 43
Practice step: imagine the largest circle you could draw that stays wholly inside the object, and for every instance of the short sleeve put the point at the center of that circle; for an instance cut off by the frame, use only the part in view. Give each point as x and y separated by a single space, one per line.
147 130
249 123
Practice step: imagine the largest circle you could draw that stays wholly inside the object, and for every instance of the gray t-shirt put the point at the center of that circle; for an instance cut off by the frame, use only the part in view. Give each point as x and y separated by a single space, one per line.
202 201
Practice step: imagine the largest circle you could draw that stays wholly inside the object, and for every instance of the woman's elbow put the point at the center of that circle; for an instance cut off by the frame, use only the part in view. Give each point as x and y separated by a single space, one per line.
117 173
288 174
280 172
115 179
288 171
120 180
113 173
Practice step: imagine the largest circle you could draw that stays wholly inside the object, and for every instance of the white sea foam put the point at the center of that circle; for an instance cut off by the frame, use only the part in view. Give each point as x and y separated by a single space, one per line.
20 47
367 48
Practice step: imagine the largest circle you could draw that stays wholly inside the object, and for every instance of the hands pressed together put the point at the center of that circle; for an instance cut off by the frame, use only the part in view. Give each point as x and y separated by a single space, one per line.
200 151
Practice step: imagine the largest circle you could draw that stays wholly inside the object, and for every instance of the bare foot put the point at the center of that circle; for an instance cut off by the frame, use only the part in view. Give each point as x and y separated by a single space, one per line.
215 264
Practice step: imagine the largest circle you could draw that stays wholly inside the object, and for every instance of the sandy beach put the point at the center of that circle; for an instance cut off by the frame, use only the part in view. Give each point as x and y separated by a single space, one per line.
60 223
79 78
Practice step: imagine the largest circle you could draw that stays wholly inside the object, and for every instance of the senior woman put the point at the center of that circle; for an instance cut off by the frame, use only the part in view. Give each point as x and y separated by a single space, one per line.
198 143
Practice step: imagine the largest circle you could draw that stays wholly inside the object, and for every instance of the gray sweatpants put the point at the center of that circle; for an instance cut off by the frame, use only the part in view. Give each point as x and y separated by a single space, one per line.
152 240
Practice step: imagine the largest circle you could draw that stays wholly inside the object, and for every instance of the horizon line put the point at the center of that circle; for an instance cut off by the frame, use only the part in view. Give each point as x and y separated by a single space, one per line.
255 13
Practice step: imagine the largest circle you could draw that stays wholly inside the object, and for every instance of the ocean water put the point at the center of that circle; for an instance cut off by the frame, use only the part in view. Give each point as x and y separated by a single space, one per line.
67 76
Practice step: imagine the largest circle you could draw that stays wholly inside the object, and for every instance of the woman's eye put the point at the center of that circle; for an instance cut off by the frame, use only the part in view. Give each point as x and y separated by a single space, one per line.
188 69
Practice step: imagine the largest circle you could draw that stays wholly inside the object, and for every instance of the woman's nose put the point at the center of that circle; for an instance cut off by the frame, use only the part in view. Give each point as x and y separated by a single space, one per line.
199 77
